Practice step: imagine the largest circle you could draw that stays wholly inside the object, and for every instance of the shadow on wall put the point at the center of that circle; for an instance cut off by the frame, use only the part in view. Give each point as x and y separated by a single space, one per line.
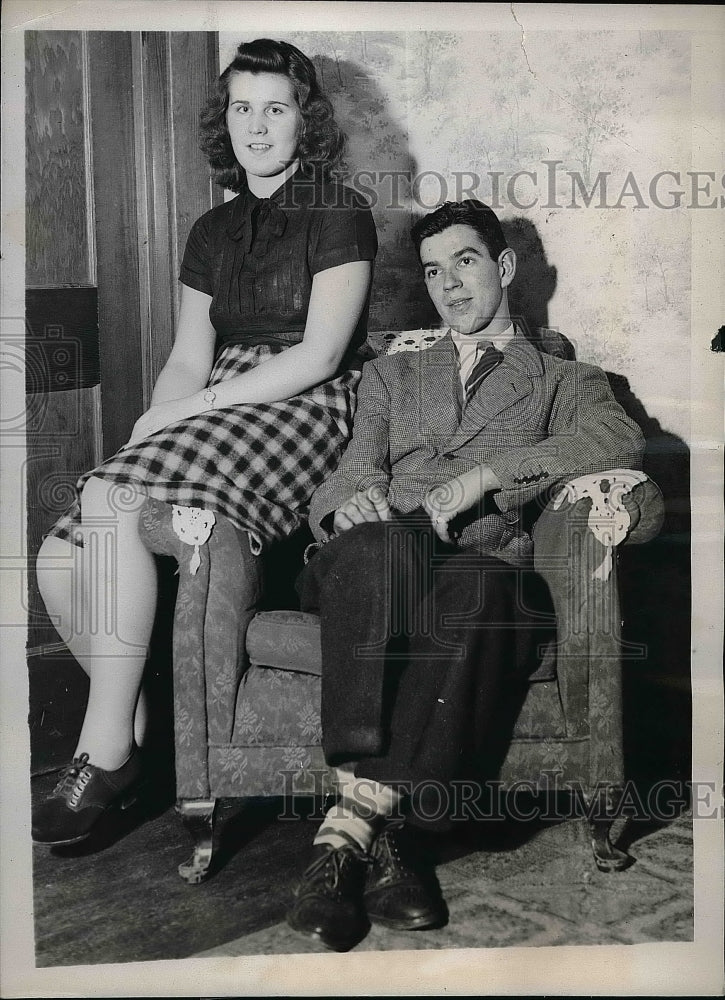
379 166
535 281
655 590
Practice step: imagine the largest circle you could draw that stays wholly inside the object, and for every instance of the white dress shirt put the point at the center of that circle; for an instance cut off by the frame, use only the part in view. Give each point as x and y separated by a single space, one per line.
470 347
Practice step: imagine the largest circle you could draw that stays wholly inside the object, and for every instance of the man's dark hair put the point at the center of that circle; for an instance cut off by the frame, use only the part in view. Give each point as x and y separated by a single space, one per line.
462 213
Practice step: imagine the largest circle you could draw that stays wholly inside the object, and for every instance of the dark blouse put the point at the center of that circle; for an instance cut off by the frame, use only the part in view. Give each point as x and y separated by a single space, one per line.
257 257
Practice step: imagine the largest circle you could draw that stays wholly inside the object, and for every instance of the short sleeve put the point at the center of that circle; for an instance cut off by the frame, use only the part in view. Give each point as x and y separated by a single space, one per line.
195 270
346 233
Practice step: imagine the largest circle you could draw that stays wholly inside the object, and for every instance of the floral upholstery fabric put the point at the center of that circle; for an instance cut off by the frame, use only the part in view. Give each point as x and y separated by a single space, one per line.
277 708
541 714
545 762
267 771
288 640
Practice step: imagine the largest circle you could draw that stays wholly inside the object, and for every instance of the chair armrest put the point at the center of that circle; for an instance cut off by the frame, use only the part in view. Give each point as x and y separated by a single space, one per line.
214 605
646 507
598 499
575 541
624 501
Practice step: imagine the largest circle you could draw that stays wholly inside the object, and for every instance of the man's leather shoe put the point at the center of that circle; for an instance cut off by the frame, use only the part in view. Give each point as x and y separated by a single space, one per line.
328 902
398 894
83 794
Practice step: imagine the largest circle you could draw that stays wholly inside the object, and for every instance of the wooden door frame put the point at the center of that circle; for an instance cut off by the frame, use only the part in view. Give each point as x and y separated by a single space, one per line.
151 182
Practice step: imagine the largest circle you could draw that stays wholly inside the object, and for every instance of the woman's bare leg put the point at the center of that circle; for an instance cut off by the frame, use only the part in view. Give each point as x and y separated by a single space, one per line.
103 599
61 582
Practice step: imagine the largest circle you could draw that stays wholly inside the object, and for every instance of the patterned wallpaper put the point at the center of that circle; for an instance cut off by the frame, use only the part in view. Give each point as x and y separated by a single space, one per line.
435 115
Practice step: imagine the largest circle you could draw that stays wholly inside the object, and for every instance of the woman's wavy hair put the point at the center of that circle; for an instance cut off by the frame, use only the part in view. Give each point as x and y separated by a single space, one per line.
321 143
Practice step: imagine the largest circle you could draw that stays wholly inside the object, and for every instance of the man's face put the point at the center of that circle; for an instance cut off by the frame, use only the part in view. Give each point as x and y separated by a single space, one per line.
466 286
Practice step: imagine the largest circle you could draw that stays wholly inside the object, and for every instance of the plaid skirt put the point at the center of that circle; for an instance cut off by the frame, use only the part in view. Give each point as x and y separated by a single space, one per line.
257 464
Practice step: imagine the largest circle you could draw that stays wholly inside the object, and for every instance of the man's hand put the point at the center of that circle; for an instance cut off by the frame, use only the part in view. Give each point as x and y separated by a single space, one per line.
365 505
445 502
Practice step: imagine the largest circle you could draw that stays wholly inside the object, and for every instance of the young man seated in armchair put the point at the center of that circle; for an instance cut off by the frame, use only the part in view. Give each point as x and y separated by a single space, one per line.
426 552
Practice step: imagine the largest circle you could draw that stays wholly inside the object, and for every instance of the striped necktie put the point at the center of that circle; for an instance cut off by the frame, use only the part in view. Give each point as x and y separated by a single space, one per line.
490 359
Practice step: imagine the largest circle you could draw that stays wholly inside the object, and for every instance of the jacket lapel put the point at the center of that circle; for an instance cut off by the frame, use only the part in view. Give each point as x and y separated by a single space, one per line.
436 372
504 386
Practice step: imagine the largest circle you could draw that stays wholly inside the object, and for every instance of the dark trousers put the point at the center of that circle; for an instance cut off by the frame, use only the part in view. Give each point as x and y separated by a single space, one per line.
420 642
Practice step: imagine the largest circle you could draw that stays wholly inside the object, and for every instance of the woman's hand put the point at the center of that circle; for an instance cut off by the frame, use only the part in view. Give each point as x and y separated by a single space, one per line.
459 494
162 414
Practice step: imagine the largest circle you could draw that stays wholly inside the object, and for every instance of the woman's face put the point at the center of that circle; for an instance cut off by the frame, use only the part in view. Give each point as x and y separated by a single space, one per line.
264 122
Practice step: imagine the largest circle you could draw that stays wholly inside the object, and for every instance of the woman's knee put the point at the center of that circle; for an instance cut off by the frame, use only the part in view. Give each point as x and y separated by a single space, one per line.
95 494
101 497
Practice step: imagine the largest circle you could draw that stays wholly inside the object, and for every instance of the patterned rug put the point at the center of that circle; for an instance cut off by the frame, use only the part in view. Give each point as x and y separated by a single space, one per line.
544 890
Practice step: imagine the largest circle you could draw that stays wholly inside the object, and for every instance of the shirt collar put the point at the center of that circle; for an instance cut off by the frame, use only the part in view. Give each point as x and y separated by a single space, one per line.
499 340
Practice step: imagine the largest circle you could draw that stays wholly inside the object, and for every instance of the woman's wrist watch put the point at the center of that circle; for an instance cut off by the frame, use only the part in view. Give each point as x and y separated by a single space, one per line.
209 397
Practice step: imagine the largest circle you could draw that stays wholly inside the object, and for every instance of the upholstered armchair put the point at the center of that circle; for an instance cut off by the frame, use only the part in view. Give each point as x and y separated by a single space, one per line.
247 681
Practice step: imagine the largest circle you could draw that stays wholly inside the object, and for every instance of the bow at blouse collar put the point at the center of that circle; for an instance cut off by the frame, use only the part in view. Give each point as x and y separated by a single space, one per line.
257 222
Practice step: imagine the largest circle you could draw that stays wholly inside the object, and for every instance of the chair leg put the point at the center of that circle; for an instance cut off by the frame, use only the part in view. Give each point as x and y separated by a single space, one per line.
198 818
601 813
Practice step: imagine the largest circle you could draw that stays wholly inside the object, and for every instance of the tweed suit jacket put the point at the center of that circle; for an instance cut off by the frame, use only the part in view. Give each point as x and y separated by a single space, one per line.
536 420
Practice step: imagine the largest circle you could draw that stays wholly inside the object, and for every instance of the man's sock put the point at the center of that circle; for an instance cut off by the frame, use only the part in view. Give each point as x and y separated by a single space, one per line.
363 808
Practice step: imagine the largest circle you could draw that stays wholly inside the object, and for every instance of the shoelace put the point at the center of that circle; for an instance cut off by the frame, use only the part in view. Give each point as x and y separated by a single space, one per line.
74 779
336 859
386 849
